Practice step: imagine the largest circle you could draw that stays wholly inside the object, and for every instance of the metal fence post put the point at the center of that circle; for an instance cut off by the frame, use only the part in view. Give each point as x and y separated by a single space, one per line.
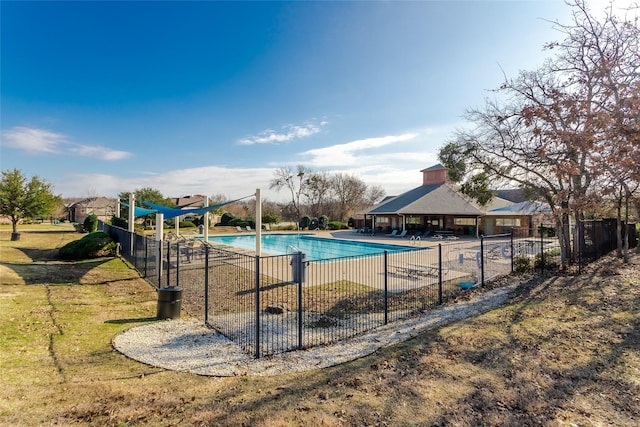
168 263
512 251
177 264
257 300
300 278
439 273
541 251
482 261
159 261
580 245
206 284
146 255
386 289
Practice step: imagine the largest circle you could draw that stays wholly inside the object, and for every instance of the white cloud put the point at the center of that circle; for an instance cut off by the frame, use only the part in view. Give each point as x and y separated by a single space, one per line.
351 153
42 141
33 140
288 133
99 152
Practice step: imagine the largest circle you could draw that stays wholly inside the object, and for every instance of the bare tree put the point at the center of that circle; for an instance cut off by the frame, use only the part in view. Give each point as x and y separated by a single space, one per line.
349 192
318 192
550 129
295 182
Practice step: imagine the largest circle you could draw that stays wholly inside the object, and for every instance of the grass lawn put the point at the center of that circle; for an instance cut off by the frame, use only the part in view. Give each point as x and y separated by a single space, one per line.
564 351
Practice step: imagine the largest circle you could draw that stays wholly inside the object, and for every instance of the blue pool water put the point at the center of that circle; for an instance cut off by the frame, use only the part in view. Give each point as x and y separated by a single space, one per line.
316 248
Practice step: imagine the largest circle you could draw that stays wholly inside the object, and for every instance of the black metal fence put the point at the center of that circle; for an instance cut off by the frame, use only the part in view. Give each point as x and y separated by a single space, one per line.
274 304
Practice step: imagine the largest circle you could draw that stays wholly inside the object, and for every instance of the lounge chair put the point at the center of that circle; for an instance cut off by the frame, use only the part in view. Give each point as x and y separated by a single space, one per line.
267 227
393 233
239 229
425 234
404 233
249 228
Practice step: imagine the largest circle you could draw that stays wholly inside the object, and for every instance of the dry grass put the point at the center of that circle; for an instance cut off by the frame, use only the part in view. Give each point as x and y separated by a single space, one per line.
565 351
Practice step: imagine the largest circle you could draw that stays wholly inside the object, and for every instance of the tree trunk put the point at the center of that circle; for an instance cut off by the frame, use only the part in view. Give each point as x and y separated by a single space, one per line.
14 225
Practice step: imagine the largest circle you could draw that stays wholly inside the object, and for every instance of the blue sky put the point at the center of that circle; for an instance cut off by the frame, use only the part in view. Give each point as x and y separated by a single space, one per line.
211 97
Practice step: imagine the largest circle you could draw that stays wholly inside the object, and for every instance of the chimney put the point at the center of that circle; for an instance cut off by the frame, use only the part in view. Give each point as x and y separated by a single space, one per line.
436 174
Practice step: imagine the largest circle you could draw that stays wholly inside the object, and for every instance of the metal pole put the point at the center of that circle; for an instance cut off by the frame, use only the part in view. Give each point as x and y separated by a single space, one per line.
177 264
206 283
257 290
146 255
300 277
541 250
482 261
580 245
386 289
439 273
168 262
512 251
159 262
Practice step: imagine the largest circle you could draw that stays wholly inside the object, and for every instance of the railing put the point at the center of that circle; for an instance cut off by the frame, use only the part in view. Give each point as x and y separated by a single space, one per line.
274 304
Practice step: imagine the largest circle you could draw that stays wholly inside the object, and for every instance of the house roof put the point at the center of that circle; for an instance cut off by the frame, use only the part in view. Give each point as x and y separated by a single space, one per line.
434 199
192 201
95 202
434 167
522 208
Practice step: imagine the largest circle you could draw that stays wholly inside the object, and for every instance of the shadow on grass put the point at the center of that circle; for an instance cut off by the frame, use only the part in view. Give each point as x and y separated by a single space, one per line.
55 273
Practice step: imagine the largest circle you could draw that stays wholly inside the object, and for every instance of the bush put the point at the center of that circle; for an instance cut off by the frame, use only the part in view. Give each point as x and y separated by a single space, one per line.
227 218
116 221
270 218
238 222
323 222
337 225
93 245
187 224
550 259
90 223
305 222
521 264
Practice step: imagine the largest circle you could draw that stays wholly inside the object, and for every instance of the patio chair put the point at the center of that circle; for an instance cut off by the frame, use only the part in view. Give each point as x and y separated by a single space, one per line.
393 233
404 233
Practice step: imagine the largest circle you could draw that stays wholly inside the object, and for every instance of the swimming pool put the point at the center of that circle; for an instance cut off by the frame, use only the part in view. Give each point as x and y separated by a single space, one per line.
316 248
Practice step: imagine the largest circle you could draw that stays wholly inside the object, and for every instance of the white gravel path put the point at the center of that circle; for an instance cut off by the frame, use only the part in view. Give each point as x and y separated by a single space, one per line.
187 345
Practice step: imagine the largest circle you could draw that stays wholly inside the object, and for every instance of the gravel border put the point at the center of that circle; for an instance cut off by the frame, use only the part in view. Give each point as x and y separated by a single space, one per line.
187 345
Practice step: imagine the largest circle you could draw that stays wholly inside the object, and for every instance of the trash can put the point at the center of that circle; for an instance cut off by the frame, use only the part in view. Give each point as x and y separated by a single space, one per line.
15 236
201 229
169 303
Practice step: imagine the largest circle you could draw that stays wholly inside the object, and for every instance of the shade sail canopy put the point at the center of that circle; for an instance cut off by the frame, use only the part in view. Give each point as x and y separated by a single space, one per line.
174 212
138 211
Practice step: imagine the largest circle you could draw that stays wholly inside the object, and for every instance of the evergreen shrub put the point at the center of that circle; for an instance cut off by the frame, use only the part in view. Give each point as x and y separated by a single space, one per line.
90 223
93 245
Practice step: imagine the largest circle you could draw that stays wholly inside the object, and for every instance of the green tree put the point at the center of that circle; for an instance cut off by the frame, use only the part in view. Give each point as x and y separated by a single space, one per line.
22 199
